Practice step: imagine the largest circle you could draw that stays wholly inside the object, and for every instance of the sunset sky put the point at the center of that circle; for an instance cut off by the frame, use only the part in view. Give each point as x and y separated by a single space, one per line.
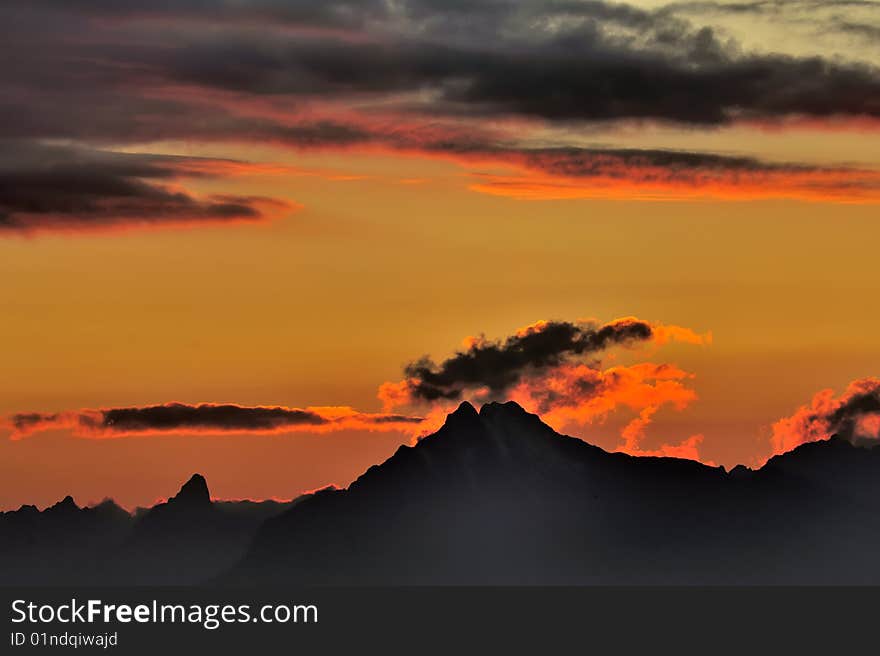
281 207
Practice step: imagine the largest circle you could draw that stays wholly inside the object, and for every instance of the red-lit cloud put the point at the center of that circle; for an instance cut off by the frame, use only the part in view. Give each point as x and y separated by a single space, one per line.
853 415
555 369
497 366
670 175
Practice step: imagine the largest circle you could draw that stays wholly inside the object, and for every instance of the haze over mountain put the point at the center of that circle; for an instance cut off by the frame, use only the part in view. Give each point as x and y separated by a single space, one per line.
185 540
493 497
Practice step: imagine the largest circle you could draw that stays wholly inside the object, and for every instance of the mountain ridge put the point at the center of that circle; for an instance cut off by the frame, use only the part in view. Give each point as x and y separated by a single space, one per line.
494 496
561 510
198 480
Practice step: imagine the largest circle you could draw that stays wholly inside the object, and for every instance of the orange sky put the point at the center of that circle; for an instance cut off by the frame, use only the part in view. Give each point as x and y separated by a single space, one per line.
366 256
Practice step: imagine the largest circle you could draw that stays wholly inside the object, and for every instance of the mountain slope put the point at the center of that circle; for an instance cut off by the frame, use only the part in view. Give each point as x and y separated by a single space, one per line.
494 497
185 540
497 497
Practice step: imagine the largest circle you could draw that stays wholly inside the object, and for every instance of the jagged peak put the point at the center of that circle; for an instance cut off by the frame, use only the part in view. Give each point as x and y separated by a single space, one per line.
27 508
194 491
464 414
508 407
467 412
740 471
109 506
67 504
465 408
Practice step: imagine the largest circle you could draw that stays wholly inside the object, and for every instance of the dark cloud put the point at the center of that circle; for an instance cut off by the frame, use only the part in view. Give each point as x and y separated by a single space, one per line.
586 162
562 60
609 172
847 420
501 364
206 417
174 416
177 416
634 87
583 75
418 75
768 6
338 13
868 32
53 187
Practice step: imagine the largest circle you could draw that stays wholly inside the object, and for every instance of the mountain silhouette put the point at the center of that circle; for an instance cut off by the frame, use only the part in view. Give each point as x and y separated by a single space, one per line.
498 497
184 540
194 493
493 497
62 544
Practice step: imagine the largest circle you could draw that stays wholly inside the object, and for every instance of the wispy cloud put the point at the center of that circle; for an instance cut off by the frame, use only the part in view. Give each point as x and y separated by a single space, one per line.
206 418
52 188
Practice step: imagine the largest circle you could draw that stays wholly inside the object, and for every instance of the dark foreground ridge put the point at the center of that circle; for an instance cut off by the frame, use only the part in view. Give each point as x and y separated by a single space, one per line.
495 497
